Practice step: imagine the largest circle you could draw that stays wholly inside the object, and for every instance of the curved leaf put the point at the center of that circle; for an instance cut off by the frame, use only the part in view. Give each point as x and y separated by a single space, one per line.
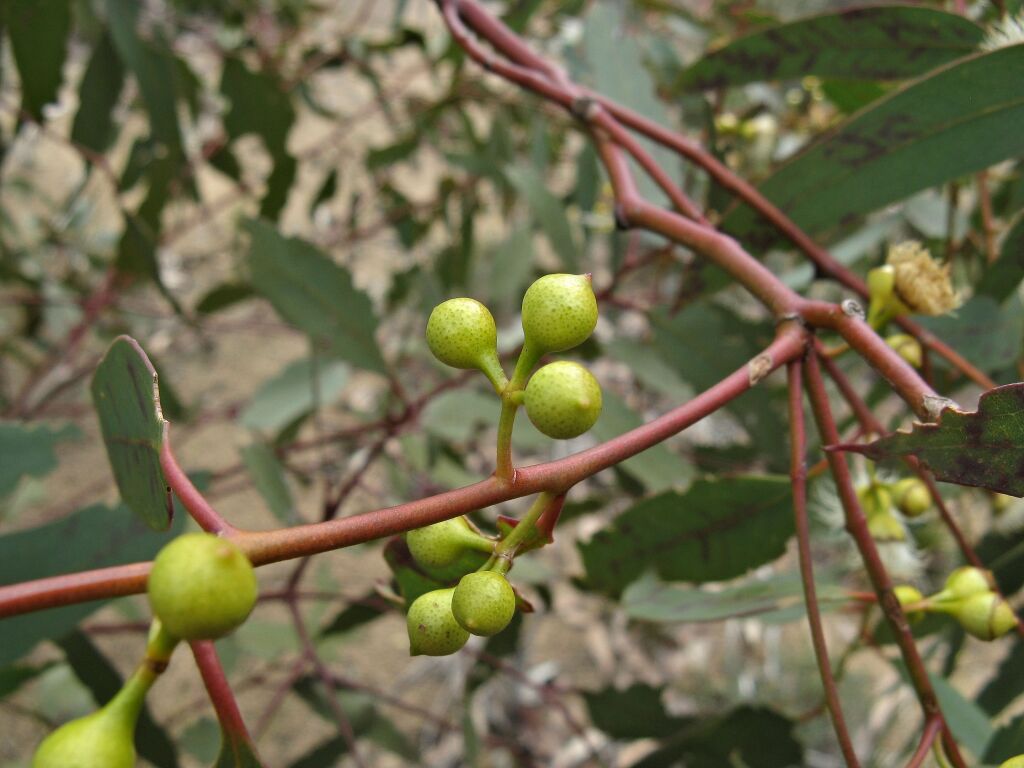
882 43
984 448
38 31
127 401
315 295
957 120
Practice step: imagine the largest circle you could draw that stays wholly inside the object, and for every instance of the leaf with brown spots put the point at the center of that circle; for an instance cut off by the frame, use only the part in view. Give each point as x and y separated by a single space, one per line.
984 448
127 401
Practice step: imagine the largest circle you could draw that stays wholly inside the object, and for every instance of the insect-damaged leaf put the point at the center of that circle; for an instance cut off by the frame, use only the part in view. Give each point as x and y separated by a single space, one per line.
984 448
127 401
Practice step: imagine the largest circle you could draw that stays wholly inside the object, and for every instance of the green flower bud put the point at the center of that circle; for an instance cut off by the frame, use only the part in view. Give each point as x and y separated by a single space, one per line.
563 400
966 582
911 496
1014 762
201 587
484 603
461 333
441 544
559 313
104 739
908 595
986 616
433 630
884 526
907 347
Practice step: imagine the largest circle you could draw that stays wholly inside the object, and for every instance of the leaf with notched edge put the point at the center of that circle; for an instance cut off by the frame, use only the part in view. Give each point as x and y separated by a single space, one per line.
127 401
984 448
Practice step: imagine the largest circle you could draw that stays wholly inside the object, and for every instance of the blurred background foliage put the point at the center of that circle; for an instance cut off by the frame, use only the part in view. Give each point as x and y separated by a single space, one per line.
271 196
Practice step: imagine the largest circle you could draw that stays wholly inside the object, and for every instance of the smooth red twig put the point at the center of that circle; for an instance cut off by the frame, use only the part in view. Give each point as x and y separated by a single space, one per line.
856 526
205 515
288 543
217 686
798 476
932 728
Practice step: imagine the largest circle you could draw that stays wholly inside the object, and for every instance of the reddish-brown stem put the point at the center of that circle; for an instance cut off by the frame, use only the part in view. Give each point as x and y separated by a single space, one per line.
288 543
217 686
856 526
205 515
870 423
798 476
932 728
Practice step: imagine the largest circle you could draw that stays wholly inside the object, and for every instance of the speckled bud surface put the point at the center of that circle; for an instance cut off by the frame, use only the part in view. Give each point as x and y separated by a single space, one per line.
563 400
559 312
484 603
461 333
433 630
440 544
201 587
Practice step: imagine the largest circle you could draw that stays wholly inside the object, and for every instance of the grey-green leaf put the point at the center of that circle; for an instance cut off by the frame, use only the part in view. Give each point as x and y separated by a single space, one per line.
127 402
29 449
315 295
717 530
269 479
38 31
283 398
874 43
94 537
959 119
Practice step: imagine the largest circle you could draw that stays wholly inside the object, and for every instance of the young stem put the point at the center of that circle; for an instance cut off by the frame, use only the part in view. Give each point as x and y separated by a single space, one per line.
798 475
507 548
856 526
510 401
219 690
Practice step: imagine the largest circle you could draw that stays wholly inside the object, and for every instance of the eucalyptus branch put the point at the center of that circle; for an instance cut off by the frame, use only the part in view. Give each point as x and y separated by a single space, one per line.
798 475
288 543
856 526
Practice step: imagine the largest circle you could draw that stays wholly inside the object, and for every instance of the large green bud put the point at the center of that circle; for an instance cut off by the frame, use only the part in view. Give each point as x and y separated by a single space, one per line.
461 333
104 739
433 630
441 544
559 313
201 587
484 603
563 400
986 616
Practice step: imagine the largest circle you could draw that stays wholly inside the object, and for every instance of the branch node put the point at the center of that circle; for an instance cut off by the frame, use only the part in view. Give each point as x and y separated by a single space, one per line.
759 367
584 108
621 218
852 308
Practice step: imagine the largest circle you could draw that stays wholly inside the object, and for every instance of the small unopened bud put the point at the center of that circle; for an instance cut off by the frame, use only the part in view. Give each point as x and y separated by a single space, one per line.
907 347
986 616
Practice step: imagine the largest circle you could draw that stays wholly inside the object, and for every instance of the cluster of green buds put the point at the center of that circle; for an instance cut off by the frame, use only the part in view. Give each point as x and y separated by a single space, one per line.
909 495
969 597
482 603
562 399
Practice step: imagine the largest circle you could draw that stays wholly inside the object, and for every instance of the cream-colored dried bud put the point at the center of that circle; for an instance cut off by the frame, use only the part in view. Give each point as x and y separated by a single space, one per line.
922 284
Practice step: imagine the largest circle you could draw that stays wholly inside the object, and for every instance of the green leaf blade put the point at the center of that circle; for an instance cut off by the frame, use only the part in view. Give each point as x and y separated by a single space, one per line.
957 120
127 401
880 43
315 295
717 530
984 448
